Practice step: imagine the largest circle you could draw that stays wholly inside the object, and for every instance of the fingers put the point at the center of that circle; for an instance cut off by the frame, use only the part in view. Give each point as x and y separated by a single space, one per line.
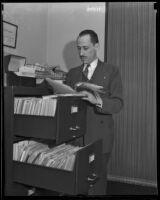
85 93
85 98
89 97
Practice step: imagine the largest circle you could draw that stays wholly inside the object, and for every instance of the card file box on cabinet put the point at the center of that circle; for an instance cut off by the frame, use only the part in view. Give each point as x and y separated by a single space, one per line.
11 79
60 128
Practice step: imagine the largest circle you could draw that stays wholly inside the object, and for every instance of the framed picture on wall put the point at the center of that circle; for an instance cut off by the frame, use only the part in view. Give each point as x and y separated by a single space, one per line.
9 34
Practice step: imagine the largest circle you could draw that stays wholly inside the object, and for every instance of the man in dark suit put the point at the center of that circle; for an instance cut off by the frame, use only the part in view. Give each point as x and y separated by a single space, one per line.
99 113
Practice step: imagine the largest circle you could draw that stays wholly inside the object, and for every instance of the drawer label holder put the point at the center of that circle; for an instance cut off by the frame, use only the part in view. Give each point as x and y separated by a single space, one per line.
74 109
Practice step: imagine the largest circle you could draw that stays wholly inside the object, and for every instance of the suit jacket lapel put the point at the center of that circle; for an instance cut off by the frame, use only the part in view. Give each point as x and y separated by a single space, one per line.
97 73
80 78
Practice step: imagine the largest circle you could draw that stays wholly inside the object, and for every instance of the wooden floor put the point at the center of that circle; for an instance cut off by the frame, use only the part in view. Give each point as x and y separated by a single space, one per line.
113 188
117 188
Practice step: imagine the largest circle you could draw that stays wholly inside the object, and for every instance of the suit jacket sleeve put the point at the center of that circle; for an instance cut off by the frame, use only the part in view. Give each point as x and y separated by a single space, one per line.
113 102
68 80
71 77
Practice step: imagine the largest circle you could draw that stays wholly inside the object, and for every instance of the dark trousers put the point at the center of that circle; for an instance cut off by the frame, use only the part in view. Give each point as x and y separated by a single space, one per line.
100 188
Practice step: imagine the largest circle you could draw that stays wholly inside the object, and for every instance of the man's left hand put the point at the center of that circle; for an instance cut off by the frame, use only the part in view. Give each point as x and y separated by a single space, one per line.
90 97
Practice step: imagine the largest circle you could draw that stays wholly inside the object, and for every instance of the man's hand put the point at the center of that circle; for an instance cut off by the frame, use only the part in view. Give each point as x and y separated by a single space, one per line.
90 97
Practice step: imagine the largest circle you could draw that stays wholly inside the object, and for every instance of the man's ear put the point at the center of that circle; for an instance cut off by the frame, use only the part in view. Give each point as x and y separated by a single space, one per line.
97 46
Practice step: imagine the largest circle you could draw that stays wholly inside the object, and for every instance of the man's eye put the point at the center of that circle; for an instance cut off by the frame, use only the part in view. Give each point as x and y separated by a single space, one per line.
83 48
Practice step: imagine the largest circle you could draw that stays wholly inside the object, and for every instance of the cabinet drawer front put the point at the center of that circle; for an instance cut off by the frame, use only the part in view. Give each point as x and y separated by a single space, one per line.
44 177
88 166
88 162
68 123
71 119
35 126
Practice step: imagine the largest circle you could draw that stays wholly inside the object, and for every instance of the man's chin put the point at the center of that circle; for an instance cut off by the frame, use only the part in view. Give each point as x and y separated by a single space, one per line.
84 62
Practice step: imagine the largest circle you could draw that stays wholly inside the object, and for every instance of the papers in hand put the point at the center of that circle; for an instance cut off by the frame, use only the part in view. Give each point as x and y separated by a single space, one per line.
89 86
63 89
94 89
60 88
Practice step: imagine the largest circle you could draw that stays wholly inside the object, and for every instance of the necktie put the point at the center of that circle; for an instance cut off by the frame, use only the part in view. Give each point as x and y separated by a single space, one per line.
85 72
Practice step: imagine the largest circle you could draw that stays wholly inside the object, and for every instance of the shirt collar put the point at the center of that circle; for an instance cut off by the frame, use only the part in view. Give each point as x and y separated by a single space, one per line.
93 64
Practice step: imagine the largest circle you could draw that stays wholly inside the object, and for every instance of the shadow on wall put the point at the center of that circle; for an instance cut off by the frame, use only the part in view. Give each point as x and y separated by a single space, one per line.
70 55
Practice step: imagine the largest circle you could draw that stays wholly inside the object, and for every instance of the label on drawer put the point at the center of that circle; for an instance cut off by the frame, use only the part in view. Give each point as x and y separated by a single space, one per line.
74 109
91 158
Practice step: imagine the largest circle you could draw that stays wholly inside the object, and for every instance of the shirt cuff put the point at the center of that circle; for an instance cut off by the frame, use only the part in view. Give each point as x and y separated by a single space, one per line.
99 103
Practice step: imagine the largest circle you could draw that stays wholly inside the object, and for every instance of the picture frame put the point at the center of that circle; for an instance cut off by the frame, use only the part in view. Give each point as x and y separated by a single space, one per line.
9 34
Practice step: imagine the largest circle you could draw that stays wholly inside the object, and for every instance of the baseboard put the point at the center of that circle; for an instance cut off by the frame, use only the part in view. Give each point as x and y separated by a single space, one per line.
129 180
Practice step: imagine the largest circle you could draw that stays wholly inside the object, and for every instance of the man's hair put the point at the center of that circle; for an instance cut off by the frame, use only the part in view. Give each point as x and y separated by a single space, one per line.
93 35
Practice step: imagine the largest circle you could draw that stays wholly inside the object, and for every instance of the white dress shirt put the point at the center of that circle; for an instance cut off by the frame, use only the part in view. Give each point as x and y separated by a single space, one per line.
91 68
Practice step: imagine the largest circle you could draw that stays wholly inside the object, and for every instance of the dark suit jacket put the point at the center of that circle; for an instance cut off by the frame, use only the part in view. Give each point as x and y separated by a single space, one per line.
99 120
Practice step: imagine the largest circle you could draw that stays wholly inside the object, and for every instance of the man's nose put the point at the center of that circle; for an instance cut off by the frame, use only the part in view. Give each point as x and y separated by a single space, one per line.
81 52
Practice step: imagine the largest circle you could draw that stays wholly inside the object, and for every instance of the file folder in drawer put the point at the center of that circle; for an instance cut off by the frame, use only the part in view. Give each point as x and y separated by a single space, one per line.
88 166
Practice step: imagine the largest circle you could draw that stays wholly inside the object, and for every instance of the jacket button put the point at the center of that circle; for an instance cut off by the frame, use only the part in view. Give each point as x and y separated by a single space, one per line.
101 121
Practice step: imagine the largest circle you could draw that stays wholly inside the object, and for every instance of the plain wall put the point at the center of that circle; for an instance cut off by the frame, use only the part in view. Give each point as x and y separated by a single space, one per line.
47 31
65 21
31 19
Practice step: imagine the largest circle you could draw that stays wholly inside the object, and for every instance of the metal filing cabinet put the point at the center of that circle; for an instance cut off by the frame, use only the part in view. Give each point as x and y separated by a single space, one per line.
68 124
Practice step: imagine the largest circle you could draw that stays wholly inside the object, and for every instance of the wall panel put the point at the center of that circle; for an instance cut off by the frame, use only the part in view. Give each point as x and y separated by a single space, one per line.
132 47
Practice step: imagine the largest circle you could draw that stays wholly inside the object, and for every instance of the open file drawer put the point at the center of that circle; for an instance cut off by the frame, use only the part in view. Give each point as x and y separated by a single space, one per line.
68 123
86 172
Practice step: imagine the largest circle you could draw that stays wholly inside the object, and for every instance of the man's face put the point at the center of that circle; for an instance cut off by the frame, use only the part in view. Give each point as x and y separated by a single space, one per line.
87 50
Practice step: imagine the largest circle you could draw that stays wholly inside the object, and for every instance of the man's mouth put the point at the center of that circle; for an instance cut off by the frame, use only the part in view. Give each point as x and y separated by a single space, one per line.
83 58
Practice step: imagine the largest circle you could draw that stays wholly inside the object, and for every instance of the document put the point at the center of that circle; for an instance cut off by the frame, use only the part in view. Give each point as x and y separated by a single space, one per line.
61 88
89 87
35 106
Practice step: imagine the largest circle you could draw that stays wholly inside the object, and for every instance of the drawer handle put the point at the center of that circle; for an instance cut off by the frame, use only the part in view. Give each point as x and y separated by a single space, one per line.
77 127
74 128
92 179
